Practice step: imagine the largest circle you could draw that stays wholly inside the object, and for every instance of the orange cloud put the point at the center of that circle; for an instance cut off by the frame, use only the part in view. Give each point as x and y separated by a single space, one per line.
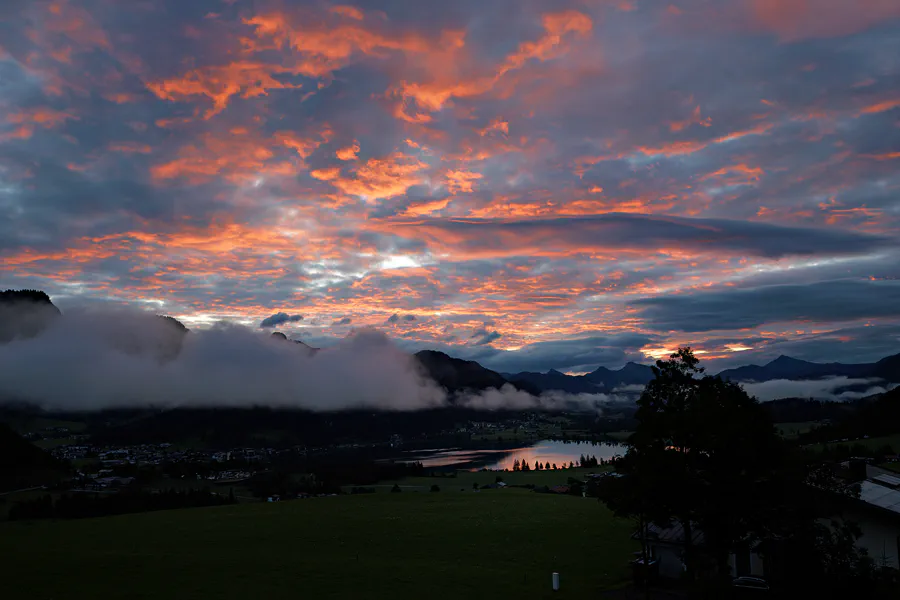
691 146
304 146
329 174
434 95
883 156
351 12
239 157
837 215
381 178
793 20
45 117
880 107
495 125
694 119
310 46
348 153
324 49
549 46
220 84
130 148
421 209
75 23
169 123
28 119
739 174
461 181
120 97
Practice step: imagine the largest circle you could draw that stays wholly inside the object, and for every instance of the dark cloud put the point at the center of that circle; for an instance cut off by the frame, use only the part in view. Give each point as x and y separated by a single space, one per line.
343 321
638 233
395 318
280 318
747 308
484 336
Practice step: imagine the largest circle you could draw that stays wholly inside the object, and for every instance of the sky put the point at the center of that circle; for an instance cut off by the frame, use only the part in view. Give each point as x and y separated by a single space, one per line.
532 185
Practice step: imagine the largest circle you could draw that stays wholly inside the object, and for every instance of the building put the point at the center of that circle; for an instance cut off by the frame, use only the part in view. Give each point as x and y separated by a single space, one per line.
877 512
666 546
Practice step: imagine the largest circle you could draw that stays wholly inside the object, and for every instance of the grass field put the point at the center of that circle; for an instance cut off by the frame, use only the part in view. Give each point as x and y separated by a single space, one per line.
792 430
873 443
496 543
464 479
24 424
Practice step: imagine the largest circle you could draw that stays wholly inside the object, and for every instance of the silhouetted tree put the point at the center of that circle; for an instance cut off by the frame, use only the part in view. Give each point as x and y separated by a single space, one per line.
700 454
516 465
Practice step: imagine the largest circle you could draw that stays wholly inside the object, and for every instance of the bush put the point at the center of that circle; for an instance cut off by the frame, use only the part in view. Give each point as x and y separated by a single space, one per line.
435 488
396 489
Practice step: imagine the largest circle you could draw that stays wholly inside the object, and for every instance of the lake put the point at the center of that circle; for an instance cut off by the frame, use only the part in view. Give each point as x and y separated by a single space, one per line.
545 451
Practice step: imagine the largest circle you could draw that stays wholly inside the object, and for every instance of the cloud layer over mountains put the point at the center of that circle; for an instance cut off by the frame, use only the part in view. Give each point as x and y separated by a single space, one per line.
93 359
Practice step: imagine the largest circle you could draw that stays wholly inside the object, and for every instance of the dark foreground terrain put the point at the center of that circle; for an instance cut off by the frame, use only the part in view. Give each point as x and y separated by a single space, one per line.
493 543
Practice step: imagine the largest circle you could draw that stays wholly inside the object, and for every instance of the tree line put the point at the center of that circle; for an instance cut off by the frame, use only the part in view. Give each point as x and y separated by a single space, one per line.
583 461
86 505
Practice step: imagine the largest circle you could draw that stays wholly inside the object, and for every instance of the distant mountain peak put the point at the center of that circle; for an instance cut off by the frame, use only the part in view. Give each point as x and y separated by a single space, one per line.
554 372
24 313
787 360
632 366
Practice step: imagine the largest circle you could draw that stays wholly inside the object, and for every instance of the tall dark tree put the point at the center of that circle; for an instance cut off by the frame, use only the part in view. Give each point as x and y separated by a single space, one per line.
701 454
706 454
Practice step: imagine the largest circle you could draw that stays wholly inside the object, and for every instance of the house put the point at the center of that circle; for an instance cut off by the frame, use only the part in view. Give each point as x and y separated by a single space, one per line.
666 544
877 512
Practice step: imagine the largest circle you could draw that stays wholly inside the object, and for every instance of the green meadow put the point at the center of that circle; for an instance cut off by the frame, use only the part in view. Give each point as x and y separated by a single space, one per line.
494 543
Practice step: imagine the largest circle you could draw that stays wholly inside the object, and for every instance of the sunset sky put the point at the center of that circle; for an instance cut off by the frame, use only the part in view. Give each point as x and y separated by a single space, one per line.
533 185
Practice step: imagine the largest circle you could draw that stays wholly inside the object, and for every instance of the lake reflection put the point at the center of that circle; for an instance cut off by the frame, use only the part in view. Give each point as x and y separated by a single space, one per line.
546 451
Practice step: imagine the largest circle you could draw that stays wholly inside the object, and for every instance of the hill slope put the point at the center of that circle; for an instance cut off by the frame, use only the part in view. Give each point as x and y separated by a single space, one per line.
22 464
455 374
